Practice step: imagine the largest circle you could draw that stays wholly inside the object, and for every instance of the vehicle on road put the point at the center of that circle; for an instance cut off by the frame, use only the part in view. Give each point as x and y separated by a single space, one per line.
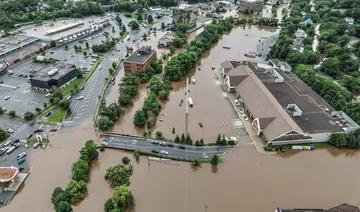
170 145
20 161
181 147
36 145
104 143
164 152
162 143
7 97
80 98
10 150
154 142
21 168
21 155
81 88
154 151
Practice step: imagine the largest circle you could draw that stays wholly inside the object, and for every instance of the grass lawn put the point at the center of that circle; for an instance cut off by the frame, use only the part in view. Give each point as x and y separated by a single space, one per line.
72 86
57 116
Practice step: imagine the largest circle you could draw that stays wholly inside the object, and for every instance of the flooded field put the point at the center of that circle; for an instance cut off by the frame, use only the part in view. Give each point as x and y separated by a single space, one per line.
211 107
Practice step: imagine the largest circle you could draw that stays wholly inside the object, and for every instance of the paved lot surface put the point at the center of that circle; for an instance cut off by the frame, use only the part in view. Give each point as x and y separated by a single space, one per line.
189 153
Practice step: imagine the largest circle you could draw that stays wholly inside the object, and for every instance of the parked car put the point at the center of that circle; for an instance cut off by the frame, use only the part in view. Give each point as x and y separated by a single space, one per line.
164 152
80 98
36 145
20 161
21 155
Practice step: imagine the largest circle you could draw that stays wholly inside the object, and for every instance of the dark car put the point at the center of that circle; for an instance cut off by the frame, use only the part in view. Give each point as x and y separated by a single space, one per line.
38 131
181 147
170 145
29 136
21 168
154 151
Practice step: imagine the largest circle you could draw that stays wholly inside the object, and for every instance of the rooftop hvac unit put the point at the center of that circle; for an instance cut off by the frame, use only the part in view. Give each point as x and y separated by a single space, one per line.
52 72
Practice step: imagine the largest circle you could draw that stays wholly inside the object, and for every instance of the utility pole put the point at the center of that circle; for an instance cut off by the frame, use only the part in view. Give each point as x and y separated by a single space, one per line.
186 105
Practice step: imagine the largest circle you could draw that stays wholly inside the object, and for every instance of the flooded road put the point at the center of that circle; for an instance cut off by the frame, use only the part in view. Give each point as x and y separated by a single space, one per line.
211 107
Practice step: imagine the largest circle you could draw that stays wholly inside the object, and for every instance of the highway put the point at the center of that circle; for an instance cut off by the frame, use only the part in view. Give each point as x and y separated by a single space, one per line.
173 150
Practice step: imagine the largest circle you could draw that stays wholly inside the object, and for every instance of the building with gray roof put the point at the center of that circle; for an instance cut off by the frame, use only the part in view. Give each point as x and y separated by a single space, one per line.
56 76
282 108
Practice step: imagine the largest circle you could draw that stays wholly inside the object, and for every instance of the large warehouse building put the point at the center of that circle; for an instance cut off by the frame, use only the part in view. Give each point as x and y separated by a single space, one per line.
68 30
282 108
56 76
16 48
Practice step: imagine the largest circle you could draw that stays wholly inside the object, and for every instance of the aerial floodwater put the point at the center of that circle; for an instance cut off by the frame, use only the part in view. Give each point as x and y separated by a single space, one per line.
211 108
246 180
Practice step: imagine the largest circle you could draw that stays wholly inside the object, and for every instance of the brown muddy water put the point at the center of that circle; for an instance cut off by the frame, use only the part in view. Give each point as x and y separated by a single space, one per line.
246 180
211 107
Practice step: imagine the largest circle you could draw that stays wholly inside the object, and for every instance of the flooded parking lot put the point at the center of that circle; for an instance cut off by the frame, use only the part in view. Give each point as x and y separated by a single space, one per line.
211 106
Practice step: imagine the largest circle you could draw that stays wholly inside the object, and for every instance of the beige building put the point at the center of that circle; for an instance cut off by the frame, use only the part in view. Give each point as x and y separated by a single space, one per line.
139 60
282 108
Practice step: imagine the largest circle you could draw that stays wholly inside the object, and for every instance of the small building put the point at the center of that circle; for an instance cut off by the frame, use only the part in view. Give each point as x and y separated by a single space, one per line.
349 20
251 6
8 174
139 60
56 76
166 40
300 33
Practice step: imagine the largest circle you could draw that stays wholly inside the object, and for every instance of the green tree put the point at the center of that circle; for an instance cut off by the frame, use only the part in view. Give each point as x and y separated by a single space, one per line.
137 156
3 135
214 160
119 175
195 163
104 123
182 140
28 116
64 206
338 139
109 205
80 170
122 196
218 140
58 196
76 191
89 151
139 118
12 113
125 100
159 135
177 139
125 160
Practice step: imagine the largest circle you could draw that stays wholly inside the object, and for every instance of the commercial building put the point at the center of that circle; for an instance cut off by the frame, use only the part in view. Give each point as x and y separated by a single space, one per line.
282 108
56 76
16 48
68 30
140 59
251 6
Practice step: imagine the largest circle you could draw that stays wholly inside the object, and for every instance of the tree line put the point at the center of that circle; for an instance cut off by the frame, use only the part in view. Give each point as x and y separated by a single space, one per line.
76 189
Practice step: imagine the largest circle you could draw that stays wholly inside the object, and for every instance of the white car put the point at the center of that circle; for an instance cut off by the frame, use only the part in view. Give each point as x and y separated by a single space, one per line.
80 98
155 142
9 130
164 152
104 143
162 143
7 97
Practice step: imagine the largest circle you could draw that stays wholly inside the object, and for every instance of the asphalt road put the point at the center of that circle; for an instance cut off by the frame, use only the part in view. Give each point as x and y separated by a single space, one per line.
139 144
